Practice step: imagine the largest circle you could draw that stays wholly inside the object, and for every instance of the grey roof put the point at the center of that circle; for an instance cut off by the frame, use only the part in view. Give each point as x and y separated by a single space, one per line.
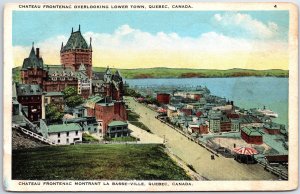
28 90
98 75
76 41
32 61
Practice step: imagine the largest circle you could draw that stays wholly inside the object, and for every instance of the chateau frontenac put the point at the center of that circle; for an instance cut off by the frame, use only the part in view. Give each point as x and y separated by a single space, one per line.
75 70
103 109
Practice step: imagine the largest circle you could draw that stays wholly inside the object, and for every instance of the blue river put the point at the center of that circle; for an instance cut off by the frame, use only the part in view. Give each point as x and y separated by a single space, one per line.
246 92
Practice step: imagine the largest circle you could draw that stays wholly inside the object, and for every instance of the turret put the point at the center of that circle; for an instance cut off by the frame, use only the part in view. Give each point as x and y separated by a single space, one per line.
90 47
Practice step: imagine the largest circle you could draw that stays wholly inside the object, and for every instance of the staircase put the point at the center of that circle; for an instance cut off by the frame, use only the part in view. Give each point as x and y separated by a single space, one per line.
34 135
32 126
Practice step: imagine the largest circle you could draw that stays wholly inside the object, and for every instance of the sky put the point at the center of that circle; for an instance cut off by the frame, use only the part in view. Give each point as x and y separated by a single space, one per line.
142 39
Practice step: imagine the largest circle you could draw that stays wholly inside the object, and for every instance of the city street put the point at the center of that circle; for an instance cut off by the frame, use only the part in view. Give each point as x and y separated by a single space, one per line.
219 169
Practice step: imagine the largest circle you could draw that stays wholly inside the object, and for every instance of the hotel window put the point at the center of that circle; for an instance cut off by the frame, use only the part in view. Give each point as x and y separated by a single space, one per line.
67 134
58 135
76 133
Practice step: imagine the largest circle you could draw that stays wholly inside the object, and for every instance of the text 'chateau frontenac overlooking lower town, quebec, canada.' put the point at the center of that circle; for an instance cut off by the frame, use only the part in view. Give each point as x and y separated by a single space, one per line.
150 97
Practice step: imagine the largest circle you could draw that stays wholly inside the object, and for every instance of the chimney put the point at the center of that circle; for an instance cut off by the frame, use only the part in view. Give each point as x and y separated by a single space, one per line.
38 52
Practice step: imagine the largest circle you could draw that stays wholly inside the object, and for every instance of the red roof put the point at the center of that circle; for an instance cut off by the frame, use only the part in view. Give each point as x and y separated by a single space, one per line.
245 151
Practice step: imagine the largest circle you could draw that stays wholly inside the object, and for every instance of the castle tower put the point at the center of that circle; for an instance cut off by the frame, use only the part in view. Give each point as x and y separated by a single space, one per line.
77 51
33 71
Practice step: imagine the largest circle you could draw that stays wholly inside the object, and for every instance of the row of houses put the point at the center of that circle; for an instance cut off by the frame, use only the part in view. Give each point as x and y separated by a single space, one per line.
199 112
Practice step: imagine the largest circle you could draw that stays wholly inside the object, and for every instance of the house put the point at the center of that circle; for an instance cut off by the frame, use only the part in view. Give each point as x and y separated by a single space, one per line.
88 124
30 97
105 111
186 111
117 129
272 128
250 121
198 127
235 125
55 98
251 135
215 124
163 98
63 134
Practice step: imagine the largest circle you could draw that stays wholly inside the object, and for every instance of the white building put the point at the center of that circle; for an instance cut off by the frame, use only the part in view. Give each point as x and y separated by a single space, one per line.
62 134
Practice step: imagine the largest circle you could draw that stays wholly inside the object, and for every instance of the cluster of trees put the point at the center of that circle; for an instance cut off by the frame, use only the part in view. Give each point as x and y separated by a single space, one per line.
71 98
133 93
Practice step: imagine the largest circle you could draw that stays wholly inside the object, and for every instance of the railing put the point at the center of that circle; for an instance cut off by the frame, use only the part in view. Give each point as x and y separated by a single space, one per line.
34 135
32 126
273 170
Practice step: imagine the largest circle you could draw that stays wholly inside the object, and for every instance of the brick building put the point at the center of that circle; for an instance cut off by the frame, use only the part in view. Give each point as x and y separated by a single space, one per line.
75 70
106 110
30 97
77 52
251 135
272 128
163 98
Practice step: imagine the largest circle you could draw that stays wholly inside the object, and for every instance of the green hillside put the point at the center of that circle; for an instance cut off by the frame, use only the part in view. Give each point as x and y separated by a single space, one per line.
96 162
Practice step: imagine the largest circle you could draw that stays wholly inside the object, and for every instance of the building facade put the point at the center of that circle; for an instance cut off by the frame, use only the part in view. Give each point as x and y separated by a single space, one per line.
30 97
77 52
251 135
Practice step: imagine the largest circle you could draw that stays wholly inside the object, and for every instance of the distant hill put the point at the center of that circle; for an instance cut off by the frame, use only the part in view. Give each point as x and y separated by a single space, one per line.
163 72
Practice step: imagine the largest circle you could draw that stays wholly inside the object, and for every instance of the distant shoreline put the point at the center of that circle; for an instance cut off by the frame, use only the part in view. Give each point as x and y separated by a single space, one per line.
169 73
161 72
206 77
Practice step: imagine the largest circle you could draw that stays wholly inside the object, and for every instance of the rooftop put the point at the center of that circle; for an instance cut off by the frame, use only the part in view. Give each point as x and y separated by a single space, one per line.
54 94
63 128
116 123
76 41
251 131
33 60
28 90
272 125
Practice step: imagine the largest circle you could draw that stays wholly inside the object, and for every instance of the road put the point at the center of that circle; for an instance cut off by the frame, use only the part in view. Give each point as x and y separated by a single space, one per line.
219 169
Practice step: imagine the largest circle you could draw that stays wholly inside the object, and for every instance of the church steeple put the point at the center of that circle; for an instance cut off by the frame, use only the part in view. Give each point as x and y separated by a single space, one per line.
79 28
72 30
62 46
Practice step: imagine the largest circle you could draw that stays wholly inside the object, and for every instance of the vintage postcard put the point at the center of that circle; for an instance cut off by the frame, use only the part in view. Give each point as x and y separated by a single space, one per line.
150 97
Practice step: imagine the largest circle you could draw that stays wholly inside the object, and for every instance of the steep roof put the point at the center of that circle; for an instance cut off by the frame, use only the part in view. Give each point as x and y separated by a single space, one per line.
76 41
28 90
32 61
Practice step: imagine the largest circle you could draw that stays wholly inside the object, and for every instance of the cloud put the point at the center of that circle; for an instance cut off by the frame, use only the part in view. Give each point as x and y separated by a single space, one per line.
128 47
243 24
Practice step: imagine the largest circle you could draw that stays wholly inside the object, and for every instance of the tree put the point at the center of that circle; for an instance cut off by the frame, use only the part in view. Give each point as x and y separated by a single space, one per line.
52 113
72 99
70 91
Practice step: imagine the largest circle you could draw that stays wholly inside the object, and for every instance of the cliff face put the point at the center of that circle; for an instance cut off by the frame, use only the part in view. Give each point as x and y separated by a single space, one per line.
22 141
